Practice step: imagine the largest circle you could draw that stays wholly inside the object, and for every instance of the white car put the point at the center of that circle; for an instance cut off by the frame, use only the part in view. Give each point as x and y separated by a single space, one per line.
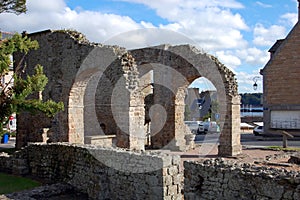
196 127
210 126
258 130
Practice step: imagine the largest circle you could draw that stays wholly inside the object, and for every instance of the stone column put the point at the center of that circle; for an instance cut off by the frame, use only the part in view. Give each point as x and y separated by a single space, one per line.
162 118
137 134
230 144
184 139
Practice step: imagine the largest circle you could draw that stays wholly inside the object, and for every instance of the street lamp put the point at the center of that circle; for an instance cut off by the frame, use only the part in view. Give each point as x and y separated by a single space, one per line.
255 86
255 79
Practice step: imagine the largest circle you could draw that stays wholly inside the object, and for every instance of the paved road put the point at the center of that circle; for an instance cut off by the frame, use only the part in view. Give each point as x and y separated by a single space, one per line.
246 139
250 140
10 144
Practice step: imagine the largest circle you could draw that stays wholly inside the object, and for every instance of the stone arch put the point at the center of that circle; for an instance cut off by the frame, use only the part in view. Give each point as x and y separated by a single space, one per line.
104 72
78 69
169 88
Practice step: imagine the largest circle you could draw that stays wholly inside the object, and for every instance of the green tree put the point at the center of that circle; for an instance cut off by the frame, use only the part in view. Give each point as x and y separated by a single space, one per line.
13 6
14 97
187 113
251 99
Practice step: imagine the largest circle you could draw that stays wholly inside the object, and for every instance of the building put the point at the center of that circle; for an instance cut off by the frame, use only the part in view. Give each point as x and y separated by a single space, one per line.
281 84
200 106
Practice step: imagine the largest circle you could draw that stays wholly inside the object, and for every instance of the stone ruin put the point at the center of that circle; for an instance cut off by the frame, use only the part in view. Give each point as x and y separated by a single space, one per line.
118 97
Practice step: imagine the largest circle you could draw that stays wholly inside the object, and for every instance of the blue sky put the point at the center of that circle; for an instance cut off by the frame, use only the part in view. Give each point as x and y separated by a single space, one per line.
238 32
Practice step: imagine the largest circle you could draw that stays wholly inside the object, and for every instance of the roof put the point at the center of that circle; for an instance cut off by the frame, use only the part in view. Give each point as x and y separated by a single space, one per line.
245 125
5 35
276 45
258 123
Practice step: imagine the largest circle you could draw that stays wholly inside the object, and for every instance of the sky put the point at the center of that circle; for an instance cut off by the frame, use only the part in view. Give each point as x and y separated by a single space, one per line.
238 32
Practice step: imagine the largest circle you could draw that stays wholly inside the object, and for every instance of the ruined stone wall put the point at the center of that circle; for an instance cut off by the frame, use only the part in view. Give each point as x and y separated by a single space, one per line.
218 179
102 92
95 83
101 173
174 68
57 55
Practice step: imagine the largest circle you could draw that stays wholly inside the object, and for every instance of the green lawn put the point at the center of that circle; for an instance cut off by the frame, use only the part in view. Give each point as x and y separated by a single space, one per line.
8 150
10 183
279 148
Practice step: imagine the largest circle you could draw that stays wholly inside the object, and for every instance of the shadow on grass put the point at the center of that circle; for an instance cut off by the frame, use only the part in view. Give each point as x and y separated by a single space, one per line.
11 183
9 151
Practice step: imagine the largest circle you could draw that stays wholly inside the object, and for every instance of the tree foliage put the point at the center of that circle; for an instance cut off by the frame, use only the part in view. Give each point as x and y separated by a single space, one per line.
13 6
14 97
251 99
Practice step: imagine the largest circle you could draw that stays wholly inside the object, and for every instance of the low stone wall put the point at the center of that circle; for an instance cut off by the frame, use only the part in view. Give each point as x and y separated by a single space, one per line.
219 179
100 172
100 140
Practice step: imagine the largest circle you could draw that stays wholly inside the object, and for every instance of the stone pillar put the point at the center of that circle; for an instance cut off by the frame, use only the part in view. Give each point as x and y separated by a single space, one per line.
137 134
230 144
162 118
184 140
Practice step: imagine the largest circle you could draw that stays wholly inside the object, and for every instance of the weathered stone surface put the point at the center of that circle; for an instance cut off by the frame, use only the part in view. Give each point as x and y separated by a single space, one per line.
219 179
295 159
101 173
104 89
49 192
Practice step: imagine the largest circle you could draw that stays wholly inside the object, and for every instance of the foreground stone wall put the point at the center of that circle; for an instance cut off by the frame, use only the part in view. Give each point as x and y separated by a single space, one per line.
101 173
217 179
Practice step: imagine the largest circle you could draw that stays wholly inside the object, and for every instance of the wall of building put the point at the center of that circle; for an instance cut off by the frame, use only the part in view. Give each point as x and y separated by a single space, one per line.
101 173
281 83
281 75
218 179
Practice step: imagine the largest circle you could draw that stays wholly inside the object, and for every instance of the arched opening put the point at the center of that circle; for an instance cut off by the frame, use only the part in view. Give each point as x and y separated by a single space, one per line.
101 100
176 67
201 103
146 90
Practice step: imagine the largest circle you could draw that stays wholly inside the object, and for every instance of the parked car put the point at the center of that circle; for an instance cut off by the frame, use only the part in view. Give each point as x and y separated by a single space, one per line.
210 127
258 130
196 127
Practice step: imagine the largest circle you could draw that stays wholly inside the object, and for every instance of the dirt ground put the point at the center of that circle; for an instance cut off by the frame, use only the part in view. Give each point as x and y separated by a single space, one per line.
256 156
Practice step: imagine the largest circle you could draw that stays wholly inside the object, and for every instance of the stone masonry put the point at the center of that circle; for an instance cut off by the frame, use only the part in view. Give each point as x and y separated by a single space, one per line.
102 173
220 179
104 90
110 173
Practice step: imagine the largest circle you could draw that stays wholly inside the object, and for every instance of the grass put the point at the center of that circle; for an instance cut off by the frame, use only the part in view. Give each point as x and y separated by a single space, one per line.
9 151
10 183
279 148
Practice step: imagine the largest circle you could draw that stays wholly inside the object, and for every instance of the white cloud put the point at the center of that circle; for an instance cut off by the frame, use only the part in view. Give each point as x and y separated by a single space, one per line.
228 59
245 82
45 6
203 84
290 18
268 36
55 14
253 56
212 24
200 20
263 4
145 37
196 19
